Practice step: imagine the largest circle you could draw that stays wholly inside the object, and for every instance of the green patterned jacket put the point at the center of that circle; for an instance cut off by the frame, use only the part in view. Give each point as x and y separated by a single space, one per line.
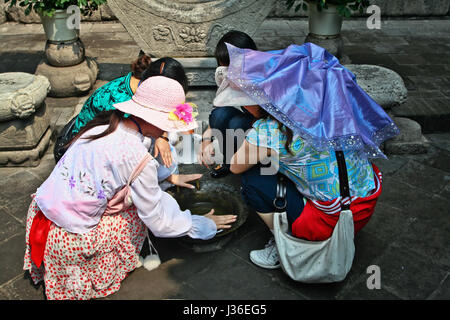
115 91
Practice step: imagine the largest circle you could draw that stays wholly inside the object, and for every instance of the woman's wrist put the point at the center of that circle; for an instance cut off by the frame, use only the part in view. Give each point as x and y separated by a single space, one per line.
207 139
164 138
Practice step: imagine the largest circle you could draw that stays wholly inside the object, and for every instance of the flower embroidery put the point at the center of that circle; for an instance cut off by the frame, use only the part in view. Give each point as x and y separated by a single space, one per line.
184 112
101 194
61 161
71 182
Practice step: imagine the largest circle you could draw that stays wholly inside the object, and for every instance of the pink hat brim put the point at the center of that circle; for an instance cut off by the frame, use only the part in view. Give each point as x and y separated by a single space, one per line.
157 118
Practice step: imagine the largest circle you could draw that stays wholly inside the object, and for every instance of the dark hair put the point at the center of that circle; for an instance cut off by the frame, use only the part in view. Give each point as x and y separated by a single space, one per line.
140 65
287 131
289 136
167 67
111 117
236 38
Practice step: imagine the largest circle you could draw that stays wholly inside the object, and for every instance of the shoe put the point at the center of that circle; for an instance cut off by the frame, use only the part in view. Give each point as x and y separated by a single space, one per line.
268 257
220 171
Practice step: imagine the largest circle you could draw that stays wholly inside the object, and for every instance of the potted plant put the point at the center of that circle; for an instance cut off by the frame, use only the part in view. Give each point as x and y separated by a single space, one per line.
54 15
325 16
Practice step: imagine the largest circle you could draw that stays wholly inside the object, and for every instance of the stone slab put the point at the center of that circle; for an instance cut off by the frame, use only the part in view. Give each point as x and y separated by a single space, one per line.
18 207
10 190
257 285
10 226
401 270
443 292
12 252
23 288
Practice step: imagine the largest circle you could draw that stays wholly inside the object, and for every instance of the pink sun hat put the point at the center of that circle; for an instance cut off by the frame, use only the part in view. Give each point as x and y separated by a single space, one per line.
160 101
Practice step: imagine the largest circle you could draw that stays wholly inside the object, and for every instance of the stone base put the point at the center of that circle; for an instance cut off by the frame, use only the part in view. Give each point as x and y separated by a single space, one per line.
23 141
200 71
65 54
409 141
333 44
20 134
26 158
383 85
70 81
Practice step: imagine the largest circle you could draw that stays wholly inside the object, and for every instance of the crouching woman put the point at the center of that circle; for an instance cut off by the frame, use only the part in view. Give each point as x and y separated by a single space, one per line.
87 222
312 199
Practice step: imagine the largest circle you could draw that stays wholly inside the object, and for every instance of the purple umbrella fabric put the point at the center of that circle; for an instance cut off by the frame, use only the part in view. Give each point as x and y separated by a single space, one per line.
309 91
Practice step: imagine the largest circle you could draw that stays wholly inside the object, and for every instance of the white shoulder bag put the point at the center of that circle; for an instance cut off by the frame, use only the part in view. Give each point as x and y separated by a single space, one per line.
319 261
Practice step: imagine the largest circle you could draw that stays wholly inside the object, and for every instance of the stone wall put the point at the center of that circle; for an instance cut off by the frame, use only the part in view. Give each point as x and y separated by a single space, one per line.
389 8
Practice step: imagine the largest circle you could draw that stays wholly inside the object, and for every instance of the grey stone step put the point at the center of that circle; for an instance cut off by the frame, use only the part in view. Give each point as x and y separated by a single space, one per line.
432 114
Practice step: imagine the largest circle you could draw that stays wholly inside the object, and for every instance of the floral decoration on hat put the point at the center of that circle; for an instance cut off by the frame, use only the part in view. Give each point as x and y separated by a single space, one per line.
185 112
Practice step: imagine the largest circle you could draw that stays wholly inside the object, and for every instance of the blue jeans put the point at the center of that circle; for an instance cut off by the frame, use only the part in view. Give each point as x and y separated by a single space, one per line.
259 191
223 118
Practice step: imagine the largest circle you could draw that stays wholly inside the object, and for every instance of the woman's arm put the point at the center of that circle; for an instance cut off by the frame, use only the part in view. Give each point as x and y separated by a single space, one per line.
162 147
164 217
247 156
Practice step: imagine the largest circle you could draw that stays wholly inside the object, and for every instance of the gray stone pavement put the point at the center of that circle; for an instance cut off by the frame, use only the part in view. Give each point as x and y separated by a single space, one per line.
408 236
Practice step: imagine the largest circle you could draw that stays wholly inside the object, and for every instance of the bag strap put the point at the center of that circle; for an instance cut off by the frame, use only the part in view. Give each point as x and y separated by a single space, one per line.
280 198
138 169
343 179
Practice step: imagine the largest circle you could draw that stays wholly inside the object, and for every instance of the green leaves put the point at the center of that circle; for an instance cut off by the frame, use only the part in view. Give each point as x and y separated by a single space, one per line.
48 7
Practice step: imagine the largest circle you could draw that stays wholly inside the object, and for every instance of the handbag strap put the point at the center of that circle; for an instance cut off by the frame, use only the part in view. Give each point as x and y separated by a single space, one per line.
280 201
138 169
343 180
343 186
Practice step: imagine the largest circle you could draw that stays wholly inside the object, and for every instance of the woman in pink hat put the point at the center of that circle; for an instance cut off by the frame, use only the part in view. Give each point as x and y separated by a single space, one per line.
87 222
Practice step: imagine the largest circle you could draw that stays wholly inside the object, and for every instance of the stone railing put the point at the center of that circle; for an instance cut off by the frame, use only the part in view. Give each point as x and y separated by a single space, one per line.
389 8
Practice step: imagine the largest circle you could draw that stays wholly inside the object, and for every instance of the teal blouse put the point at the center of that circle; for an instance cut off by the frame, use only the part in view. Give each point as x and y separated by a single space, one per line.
102 99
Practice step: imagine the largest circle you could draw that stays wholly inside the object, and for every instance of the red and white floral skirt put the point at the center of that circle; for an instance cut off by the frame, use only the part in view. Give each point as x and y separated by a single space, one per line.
90 265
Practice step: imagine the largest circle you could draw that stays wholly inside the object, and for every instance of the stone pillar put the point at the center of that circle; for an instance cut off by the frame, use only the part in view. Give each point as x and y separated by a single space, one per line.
24 119
70 72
